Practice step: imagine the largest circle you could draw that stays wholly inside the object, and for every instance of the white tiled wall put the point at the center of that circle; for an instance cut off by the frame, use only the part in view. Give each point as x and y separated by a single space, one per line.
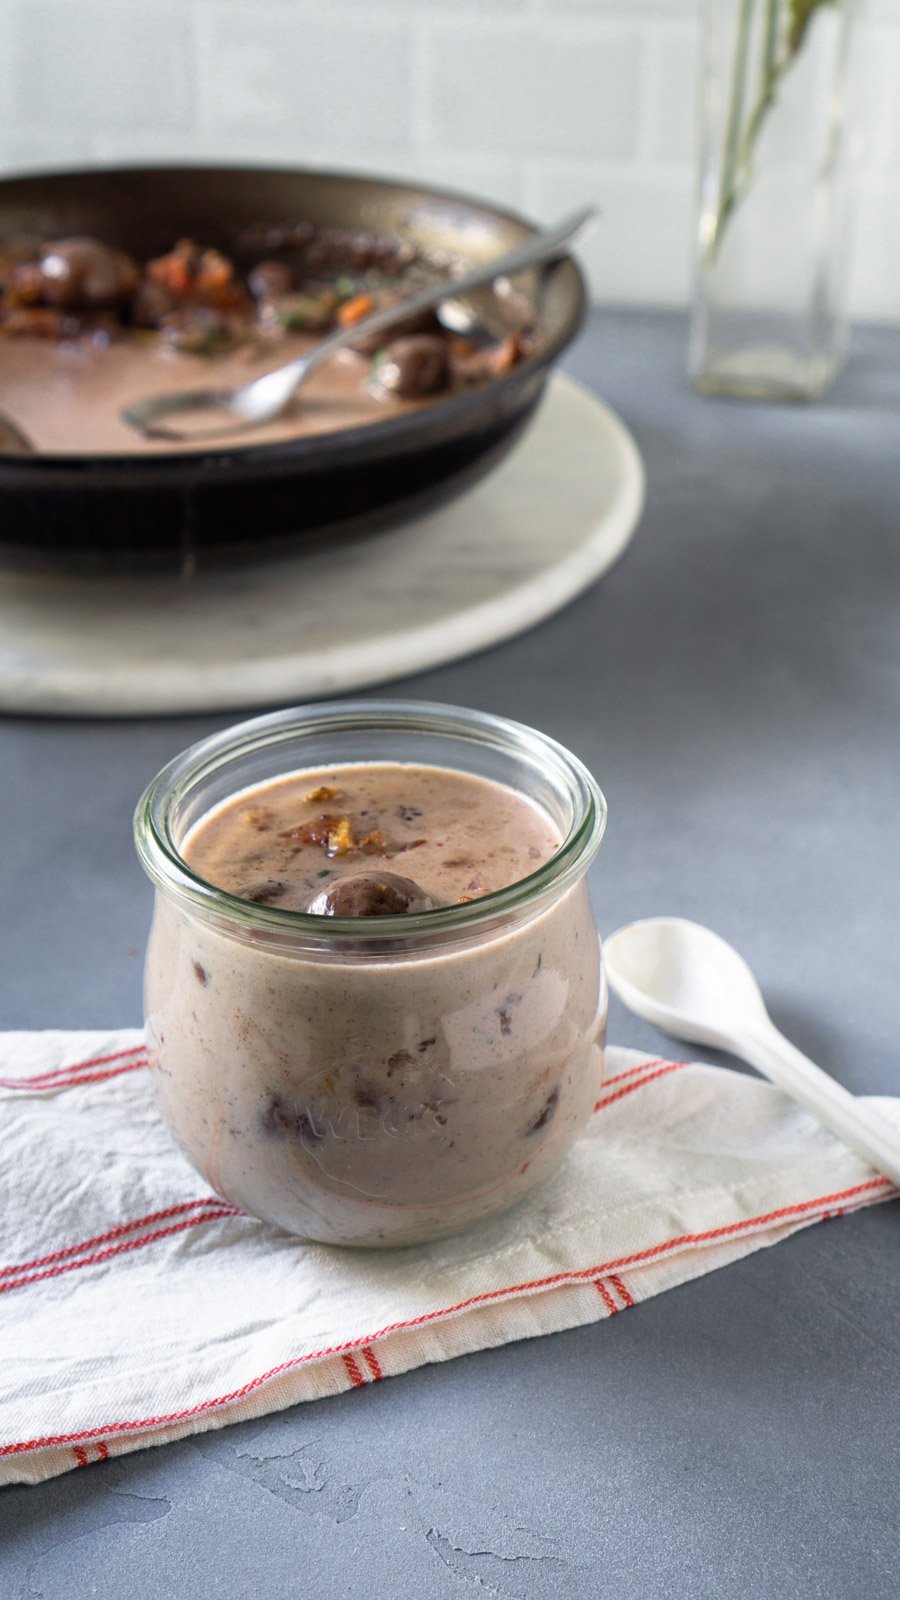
538 103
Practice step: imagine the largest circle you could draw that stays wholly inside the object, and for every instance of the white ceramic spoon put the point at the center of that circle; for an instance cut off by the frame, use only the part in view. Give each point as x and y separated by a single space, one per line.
689 983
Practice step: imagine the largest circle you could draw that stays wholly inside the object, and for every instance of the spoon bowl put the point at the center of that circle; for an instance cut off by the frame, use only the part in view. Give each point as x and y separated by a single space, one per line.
696 985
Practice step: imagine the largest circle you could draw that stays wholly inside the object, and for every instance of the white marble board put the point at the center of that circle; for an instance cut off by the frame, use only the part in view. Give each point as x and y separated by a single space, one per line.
512 550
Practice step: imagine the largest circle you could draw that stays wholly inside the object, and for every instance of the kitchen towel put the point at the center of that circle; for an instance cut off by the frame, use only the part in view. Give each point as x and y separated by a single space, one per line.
137 1306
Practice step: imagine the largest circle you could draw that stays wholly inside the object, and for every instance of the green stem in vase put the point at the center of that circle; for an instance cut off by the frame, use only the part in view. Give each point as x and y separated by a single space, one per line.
772 72
727 188
800 15
770 39
741 137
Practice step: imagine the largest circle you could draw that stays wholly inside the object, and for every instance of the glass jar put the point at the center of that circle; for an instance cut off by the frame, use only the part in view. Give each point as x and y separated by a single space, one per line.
262 1023
769 304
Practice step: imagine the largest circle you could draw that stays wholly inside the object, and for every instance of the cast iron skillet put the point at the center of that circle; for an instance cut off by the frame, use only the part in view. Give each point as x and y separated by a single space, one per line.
107 513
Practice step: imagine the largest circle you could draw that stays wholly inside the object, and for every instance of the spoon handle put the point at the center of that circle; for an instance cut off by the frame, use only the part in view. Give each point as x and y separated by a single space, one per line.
857 1125
541 247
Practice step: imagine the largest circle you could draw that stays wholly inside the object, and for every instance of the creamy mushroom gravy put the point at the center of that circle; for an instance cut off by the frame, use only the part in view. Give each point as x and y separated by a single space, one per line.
86 330
68 397
455 836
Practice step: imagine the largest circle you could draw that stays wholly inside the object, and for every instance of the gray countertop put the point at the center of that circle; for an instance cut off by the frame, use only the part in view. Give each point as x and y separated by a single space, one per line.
734 685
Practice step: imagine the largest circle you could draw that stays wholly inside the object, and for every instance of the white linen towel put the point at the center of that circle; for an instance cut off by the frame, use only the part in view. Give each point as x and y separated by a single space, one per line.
137 1306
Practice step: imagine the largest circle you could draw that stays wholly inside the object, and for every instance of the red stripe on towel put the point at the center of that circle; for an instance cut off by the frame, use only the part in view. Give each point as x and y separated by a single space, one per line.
661 1072
217 1214
605 1296
90 1077
372 1362
59 1076
353 1372
624 1294
634 1072
805 1208
114 1233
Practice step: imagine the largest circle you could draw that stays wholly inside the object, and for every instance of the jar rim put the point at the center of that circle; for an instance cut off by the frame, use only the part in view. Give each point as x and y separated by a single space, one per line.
161 858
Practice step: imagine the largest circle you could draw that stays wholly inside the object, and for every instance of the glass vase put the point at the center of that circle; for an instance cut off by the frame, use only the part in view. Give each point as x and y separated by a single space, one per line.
769 318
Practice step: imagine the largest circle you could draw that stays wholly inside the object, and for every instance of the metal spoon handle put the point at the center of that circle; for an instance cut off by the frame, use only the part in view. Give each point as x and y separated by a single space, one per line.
263 398
857 1125
542 247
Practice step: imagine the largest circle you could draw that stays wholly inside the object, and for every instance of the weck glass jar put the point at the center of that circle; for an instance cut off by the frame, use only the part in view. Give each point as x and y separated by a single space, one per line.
360 1081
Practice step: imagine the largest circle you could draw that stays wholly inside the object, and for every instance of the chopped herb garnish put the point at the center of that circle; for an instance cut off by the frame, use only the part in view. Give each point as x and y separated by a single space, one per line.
325 873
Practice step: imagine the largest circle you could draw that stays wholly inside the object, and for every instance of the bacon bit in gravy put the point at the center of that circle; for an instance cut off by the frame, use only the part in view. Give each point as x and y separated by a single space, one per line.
340 840
321 795
213 274
329 830
189 272
335 834
475 365
374 844
353 311
174 272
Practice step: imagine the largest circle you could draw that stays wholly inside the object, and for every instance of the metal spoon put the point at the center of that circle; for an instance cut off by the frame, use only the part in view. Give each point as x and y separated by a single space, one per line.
691 984
252 404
